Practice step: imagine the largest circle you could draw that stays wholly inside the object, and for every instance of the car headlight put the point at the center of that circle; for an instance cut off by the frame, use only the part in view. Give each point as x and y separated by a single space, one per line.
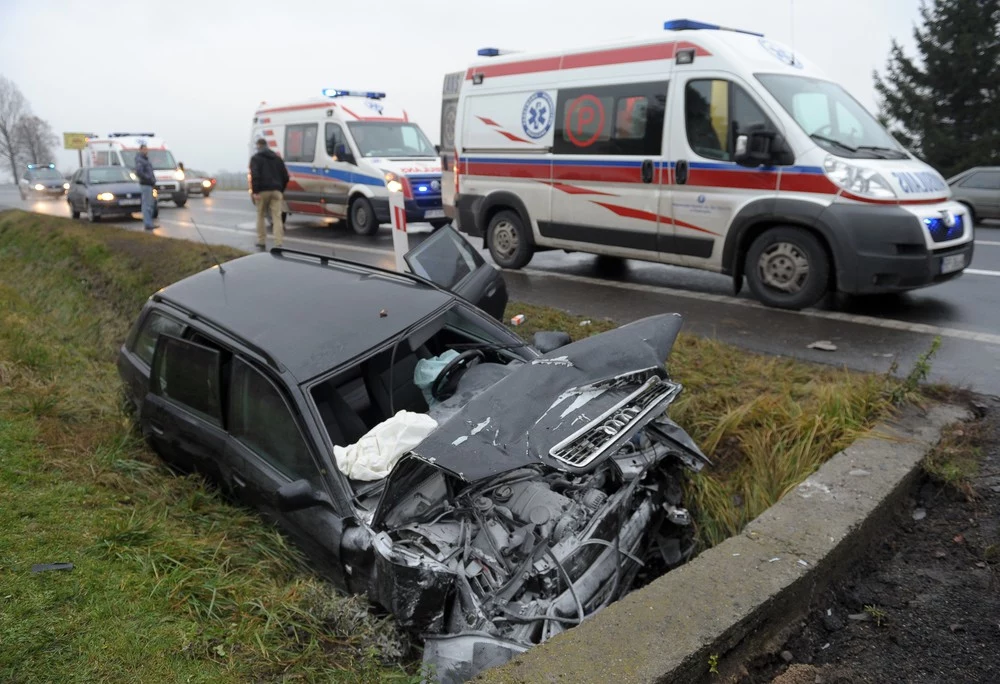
105 197
65 186
206 184
858 179
39 186
178 175
392 182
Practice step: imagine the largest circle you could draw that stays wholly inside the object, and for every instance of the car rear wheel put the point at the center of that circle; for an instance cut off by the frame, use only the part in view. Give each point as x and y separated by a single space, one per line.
787 268
92 216
206 193
362 216
507 239
73 210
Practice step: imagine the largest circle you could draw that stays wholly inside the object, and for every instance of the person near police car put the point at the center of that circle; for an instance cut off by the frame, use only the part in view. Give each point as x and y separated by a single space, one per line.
268 180
147 181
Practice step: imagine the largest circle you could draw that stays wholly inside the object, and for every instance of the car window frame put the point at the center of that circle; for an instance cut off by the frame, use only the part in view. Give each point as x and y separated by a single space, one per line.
156 390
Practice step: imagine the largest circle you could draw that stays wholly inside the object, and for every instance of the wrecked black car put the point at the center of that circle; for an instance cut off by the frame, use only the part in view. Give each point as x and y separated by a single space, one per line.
488 493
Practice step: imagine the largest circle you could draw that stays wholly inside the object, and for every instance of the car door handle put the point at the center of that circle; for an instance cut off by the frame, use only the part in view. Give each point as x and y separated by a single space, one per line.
681 172
647 170
156 429
491 290
239 481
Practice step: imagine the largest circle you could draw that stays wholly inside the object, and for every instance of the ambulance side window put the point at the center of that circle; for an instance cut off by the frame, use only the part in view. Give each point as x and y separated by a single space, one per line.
624 119
715 113
334 136
102 158
300 142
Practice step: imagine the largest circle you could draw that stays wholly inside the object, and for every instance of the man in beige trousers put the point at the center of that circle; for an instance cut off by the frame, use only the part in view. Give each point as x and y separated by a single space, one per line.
268 180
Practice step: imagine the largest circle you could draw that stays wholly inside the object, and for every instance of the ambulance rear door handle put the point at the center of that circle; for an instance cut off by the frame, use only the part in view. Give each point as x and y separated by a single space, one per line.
681 172
647 170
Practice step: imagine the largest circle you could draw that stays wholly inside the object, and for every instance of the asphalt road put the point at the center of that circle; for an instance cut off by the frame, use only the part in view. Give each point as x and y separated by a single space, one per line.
869 332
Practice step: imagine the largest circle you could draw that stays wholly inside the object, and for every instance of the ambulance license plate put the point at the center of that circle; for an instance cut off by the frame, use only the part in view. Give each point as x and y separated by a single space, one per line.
130 202
434 213
952 263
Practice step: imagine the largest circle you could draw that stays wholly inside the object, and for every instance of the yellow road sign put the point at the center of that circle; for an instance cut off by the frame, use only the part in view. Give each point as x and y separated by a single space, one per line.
74 141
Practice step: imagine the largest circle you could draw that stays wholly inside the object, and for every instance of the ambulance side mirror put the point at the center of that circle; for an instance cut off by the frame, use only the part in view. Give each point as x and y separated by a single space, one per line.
762 147
343 154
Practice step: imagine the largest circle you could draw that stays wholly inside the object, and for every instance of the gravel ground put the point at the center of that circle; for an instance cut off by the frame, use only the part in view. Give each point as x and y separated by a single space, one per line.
924 605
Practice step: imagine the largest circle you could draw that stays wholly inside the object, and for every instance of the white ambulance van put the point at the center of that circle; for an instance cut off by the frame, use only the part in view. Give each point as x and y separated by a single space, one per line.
705 147
346 152
120 149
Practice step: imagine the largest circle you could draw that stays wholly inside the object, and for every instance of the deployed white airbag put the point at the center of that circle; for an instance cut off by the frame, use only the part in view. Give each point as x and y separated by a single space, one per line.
375 454
426 372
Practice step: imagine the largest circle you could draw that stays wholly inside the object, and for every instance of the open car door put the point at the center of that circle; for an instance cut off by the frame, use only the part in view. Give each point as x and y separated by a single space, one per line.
451 262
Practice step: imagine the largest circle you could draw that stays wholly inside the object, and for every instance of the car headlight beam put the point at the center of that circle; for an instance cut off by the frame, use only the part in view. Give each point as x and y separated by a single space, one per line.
105 197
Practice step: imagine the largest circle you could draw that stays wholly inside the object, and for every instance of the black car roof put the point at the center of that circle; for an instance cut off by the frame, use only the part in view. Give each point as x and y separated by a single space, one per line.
308 315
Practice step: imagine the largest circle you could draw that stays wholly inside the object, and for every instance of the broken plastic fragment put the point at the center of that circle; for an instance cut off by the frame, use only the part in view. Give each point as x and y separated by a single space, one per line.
45 567
823 345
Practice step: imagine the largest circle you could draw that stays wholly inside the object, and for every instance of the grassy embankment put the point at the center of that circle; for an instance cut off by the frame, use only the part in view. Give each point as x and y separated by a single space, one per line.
172 583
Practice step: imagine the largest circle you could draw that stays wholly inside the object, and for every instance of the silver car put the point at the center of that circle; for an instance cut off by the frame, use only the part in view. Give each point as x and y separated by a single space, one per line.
978 188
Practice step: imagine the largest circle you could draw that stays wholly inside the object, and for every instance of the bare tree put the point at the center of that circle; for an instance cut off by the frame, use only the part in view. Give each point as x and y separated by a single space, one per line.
36 140
13 108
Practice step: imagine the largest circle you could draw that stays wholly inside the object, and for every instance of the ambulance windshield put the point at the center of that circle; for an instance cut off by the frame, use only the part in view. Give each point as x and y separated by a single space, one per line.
162 160
390 139
832 118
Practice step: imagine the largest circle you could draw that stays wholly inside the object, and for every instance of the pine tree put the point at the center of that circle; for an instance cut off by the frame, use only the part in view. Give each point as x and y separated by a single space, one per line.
945 105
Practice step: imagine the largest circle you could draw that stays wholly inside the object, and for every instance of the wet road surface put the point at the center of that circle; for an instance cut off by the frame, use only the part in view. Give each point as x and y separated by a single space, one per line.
870 332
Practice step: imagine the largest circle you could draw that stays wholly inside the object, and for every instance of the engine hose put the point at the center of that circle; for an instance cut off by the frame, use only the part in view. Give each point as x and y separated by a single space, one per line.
569 582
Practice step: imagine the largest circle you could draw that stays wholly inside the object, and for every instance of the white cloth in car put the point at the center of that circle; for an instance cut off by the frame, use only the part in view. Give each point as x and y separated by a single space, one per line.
426 373
373 456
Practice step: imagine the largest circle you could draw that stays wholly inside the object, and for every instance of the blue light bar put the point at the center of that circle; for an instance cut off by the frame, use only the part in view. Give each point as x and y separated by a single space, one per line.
488 52
692 25
335 92
128 135
41 166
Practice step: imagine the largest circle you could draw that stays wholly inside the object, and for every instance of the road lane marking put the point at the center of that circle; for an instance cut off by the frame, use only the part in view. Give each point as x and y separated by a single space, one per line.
889 323
979 271
988 243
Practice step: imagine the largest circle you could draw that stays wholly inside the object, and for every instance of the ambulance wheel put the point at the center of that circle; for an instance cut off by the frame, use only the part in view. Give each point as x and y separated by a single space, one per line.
362 217
787 268
507 239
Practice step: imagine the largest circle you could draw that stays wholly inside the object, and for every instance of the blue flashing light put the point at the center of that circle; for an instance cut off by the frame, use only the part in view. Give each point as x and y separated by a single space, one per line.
692 25
940 230
422 188
488 52
41 166
336 92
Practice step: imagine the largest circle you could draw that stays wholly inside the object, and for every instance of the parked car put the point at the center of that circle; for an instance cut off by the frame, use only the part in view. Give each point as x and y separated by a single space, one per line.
533 467
199 182
978 189
102 191
42 180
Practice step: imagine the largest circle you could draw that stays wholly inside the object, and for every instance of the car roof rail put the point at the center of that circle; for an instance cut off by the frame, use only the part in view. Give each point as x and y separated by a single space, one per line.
326 259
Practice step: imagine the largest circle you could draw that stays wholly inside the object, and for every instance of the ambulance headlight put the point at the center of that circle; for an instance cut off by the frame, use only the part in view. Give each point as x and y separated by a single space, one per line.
858 179
178 175
392 182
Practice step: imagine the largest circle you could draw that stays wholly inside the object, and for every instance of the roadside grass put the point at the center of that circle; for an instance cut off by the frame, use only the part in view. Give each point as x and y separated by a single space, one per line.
171 582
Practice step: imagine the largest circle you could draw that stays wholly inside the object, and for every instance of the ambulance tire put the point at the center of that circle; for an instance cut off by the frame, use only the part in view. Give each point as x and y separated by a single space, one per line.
362 216
792 258
508 240
270 224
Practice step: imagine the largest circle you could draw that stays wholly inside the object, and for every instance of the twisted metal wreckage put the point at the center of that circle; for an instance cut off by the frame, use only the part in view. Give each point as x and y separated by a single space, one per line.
547 491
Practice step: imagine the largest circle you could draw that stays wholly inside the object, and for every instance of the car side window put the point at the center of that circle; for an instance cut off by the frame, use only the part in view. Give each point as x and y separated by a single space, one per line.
156 324
300 142
261 419
983 180
334 136
189 375
716 111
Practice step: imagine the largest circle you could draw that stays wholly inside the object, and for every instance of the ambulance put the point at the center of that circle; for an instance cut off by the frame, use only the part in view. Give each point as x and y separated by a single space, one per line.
345 152
120 149
707 147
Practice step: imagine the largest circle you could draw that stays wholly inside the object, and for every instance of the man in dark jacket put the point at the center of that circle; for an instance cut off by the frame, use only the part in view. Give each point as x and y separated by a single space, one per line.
147 181
268 180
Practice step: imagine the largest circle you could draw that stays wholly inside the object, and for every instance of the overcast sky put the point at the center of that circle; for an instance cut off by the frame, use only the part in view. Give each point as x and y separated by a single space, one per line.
193 71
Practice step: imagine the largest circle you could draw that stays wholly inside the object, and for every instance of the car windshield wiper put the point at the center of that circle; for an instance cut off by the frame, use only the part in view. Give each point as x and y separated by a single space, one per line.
895 154
832 141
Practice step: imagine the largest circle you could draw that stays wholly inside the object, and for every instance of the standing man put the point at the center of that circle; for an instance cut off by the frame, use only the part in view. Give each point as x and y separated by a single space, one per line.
147 181
268 180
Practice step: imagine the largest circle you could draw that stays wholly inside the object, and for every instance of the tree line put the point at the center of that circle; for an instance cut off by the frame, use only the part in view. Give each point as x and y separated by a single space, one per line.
24 137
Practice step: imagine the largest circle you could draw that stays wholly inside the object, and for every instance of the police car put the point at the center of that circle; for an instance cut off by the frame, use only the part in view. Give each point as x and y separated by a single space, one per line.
346 151
706 147
121 149
42 180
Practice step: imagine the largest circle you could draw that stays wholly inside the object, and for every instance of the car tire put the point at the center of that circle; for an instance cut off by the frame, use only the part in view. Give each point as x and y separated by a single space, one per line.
362 216
972 213
73 211
92 216
180 199
787 268
439 223
508 240
206 193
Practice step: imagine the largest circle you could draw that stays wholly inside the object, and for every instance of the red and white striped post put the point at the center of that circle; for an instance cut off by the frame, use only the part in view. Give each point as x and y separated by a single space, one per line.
400 239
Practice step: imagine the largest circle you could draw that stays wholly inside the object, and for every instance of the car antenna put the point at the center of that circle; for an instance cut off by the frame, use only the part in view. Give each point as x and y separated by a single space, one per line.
218 263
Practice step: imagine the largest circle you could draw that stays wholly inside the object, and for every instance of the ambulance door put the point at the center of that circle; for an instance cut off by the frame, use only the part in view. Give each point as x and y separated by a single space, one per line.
710 109
607 153
337 171
305 166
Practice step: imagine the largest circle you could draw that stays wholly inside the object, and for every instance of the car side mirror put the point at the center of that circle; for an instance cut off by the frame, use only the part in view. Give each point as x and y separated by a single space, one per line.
343 154
548 340
294 496
762 147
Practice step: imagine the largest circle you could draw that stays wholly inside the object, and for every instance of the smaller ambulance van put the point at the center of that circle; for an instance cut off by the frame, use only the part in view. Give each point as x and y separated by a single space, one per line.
120 149
345 152
706 147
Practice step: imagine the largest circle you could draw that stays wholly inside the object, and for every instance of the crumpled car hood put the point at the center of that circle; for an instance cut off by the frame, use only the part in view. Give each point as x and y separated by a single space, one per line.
517 421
